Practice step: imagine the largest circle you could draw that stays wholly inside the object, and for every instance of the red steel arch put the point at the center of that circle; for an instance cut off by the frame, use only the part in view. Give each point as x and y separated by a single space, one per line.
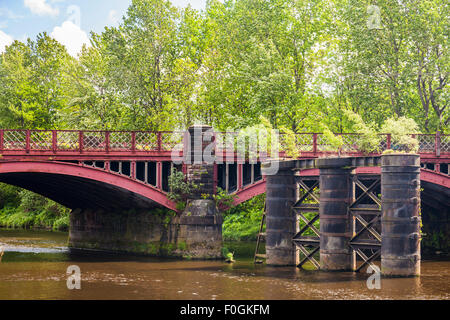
156 195
90 173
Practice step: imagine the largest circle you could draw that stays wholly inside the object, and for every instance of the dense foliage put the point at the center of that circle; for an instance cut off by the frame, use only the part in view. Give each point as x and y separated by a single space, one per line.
24 209
302 65
243 221
293 62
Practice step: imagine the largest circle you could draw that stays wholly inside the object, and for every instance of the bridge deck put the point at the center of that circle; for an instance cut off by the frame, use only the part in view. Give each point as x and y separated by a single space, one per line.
83 144
147 157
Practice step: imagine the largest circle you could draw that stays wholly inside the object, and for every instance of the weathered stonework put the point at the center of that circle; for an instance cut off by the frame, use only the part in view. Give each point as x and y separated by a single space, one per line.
195 234
200 222
202 175
142 232
201 230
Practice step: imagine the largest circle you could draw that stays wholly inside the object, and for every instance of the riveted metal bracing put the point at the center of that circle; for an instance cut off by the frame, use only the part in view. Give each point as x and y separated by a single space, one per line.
365 211
366 214
306 211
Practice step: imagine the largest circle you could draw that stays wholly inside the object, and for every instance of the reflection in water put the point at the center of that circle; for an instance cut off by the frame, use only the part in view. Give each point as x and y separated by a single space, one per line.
34 267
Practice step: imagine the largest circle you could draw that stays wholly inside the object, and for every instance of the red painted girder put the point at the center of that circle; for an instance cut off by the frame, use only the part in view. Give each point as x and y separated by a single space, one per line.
359 170
87 156
250 191
45 155
435 177
89 173
444 157
260 187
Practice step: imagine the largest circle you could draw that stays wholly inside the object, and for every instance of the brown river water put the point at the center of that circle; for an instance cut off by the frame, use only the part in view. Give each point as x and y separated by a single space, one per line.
34 266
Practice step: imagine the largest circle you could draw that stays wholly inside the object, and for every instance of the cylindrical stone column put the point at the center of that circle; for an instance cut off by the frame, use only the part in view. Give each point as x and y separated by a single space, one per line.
336 227
280 219
400 222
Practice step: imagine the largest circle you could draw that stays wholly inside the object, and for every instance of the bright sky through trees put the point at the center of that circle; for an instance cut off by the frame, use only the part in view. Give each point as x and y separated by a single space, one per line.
68 21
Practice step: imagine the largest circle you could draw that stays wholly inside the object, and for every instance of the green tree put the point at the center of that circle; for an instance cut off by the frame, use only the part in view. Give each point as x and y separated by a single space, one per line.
398 65
93 101
142 55
31 78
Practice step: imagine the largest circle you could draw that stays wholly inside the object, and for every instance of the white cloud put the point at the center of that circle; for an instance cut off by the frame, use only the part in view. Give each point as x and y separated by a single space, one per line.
5 40
113 17
71 36
40 7
5 12
6 15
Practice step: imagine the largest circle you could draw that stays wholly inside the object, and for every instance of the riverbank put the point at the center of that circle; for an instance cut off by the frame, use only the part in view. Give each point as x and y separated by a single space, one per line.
242 222
43 220
26 210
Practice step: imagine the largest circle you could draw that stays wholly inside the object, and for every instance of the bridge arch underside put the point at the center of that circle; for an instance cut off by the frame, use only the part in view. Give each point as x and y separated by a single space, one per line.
76 191
435 213
435 196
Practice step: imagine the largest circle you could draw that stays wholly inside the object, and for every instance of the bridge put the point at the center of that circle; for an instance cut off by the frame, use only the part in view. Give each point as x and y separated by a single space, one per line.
103 171
141 161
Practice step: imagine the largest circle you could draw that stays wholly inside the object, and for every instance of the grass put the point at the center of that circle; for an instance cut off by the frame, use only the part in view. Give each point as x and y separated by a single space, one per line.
11 217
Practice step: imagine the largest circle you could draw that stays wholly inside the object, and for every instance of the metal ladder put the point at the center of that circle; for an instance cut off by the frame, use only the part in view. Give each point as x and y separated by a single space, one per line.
261 235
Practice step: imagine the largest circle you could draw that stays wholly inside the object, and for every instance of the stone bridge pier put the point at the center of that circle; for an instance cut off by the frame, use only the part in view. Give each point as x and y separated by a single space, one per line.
400 219
130 225
201 223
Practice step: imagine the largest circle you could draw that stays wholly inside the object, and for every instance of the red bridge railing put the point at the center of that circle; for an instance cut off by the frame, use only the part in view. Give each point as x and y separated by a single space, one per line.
79 141
88 140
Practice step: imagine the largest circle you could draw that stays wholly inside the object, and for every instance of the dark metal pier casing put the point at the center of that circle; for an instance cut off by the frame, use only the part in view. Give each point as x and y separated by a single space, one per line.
336 224
400 193
281 223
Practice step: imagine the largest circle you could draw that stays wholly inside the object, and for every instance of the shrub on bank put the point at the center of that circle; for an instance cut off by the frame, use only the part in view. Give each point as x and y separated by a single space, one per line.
24 209
243 221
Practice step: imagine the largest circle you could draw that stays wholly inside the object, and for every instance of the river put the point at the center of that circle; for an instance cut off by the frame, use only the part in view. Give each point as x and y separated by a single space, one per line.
34 266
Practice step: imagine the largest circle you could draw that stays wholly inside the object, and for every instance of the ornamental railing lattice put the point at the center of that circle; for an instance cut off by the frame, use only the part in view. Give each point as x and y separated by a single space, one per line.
143 141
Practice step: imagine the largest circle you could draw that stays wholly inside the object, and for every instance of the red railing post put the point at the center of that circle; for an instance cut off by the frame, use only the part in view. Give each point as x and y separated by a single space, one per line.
107 141
133 170
388 141
215 177
314 142
54 141
133 141
437 144
80 141
27 141
159 140
240 176
159 175
1 139
437 167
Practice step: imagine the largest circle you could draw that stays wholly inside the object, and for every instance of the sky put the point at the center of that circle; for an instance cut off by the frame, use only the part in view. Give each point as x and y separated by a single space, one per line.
68 21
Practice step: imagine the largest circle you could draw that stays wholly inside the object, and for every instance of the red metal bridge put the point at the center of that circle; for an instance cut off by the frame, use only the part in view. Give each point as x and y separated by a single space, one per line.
126 169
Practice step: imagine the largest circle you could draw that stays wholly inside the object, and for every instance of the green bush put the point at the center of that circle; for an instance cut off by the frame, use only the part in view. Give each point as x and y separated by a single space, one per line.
401 130
179 188
62 223
222 198
369 139
12 218
290 143
21 208
335 141
9 195
243 221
